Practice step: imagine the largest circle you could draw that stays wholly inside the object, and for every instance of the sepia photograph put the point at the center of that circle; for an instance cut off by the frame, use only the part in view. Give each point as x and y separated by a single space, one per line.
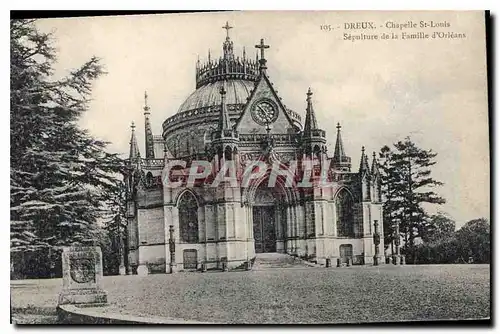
250 167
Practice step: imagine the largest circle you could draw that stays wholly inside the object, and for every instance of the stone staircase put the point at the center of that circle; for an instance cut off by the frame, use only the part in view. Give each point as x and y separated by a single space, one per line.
264 261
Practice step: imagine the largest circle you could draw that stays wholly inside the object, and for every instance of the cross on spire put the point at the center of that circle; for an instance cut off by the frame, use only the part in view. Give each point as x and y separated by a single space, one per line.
227 27
262 47
338 126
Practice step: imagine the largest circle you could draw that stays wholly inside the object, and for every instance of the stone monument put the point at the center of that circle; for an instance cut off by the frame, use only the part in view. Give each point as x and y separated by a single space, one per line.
82 273
397 242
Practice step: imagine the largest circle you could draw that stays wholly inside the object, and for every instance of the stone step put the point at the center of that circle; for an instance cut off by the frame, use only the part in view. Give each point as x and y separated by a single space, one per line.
277 260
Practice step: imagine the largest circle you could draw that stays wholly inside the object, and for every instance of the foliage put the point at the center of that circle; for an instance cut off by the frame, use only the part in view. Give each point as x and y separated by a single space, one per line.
407 184
62 179
441 227
113 236
470 243
474 240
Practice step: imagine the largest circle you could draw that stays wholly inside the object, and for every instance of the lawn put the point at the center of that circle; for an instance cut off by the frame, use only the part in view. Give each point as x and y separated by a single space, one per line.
305 295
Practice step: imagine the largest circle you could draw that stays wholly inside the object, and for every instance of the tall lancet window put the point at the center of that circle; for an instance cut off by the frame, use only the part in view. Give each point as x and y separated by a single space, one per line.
345 216
188 218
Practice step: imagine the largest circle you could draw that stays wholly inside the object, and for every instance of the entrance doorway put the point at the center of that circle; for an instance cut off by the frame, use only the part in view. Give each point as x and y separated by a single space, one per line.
264 229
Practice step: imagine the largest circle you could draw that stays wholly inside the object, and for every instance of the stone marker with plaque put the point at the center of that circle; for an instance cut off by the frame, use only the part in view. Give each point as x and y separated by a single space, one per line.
82 273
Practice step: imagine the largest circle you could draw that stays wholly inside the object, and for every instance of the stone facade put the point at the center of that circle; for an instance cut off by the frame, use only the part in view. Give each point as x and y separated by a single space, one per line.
235 115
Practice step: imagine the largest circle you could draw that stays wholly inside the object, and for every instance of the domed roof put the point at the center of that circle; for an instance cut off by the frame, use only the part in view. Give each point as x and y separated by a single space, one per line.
209 94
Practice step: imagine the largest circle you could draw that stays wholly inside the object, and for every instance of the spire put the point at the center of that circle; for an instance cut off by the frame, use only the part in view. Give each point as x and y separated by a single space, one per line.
310 123
340 160
363 165
150 154
244 53
134 149
224 121
339 146
374 170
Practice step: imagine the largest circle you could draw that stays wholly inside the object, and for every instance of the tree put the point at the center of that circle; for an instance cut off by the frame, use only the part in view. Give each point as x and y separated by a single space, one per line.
441 227
390 178
114 233
407 184
62 178
474 241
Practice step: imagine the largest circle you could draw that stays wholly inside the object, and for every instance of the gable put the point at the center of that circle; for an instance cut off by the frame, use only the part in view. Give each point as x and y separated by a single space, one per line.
248 123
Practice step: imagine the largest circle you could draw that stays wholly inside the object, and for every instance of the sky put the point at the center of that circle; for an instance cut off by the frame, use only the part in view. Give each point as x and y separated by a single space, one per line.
433 90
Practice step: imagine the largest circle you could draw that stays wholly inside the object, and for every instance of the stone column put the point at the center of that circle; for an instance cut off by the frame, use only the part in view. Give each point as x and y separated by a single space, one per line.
397 242
376 242
288 229
171 248
121 269
295 229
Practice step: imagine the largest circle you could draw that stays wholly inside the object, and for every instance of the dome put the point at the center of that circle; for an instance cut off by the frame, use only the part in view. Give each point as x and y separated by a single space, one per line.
208 95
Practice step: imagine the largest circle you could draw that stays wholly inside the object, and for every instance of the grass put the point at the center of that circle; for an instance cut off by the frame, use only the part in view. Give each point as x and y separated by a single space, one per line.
305 295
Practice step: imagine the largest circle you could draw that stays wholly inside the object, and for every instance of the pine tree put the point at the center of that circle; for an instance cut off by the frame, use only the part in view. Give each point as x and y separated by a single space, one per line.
62 178
407 184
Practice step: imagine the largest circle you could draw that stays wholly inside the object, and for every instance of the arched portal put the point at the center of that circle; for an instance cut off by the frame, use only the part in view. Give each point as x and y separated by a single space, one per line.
271 207
265 219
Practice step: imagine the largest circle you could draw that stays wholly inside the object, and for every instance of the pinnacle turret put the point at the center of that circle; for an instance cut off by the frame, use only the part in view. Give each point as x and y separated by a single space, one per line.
364 167
134 148
340 160
310 123
375 171
150 154
339 146
224 121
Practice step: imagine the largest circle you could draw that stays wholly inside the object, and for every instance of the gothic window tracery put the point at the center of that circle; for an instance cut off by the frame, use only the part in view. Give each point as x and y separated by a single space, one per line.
188 218
345 215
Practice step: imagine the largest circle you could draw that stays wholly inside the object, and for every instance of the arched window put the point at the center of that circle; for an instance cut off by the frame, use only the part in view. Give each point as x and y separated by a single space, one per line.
376 190
345 216
188 218
149 179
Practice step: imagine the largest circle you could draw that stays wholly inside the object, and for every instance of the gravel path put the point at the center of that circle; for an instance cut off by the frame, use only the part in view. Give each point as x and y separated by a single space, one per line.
298 295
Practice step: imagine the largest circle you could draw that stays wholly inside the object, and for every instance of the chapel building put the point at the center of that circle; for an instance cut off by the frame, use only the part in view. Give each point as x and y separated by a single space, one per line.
236 115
